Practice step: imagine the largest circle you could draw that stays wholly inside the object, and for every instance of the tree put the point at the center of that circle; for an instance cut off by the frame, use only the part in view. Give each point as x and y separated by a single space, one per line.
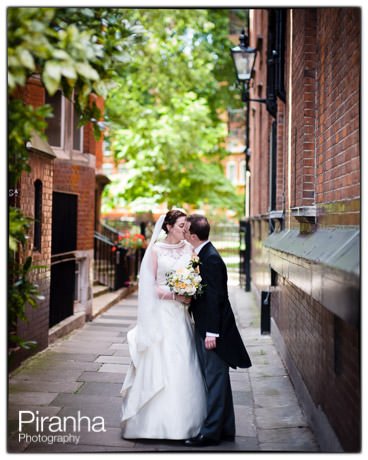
164 114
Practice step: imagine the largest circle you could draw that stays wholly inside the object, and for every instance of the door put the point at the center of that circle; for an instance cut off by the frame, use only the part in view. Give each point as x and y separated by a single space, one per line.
63 265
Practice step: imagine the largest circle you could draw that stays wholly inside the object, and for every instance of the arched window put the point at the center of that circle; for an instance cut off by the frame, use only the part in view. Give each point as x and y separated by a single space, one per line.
37 215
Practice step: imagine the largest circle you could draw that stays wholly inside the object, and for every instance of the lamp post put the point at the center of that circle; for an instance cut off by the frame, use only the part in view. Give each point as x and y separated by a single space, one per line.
244 58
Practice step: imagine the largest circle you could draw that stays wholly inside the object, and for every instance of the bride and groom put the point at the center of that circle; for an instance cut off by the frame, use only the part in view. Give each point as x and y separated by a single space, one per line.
178 384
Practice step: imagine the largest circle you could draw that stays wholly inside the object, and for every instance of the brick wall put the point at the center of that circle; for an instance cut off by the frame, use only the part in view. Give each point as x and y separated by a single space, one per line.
325 350
41 169
318 136
303 110
280 157
338 148
34 92
71 178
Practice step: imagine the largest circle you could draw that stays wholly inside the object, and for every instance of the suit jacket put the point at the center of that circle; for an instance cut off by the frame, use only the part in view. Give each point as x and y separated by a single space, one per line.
212 310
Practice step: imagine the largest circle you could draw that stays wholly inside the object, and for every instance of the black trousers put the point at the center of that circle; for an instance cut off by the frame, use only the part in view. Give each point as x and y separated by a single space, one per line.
220 420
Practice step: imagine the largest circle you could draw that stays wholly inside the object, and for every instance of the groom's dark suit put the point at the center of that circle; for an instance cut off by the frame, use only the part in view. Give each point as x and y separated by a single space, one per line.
212 313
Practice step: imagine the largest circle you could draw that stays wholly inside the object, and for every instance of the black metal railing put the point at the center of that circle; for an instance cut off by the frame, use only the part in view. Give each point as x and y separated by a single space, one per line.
115 266
110 263
109 232
245 255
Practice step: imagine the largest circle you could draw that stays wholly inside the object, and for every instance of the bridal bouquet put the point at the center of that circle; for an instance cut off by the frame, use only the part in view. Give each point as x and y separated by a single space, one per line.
185 281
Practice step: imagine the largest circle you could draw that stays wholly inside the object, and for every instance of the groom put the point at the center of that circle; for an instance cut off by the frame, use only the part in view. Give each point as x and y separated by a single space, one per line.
218 341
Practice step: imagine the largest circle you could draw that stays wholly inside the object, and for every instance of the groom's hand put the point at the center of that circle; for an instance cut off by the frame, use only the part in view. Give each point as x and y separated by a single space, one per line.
210 343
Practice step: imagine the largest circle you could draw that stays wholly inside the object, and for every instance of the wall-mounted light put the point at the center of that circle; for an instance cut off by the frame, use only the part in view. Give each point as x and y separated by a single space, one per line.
244 58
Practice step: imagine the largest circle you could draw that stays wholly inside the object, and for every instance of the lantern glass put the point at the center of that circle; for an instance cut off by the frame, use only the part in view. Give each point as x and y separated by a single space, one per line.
244 61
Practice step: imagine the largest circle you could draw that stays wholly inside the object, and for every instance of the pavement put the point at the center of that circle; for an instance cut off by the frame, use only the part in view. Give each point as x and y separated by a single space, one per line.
80 376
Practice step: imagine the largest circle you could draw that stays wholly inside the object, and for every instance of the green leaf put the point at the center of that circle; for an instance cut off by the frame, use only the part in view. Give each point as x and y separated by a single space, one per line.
53 70
51 85
51 76
26 58
68 70
87 71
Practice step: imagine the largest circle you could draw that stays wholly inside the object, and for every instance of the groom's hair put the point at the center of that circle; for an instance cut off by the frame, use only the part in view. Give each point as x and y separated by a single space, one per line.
199 226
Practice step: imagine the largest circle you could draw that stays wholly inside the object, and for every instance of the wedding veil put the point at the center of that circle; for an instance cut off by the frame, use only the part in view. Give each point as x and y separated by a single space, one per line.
148 322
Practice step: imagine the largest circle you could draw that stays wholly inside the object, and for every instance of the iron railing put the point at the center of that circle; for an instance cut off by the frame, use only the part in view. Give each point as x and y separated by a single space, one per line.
114 266
109 232
110 263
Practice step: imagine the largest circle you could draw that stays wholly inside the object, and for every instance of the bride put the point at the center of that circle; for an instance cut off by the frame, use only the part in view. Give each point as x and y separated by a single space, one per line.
163 392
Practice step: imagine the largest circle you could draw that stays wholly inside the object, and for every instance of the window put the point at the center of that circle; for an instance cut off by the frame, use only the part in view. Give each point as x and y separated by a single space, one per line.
231 172
273 166
107 168
275 58
77 132
242 173
37 234
55 128
63 130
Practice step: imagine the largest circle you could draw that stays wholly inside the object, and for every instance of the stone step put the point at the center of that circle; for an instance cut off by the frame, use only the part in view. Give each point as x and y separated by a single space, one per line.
100 289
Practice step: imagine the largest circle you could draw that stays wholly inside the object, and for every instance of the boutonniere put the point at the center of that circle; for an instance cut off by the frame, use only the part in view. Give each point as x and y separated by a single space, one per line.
195 262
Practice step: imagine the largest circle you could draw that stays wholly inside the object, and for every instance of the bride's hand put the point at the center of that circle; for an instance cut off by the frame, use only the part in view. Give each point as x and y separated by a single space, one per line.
183 299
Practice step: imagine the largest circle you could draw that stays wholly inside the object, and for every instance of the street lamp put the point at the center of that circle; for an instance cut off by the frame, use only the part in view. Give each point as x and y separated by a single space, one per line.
244 58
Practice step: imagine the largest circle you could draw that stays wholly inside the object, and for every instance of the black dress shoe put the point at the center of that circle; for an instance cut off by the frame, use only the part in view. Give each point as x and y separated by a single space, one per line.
228 437
200 441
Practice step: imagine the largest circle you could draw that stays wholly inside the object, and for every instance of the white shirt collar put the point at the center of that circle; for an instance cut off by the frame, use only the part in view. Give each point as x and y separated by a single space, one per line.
198 248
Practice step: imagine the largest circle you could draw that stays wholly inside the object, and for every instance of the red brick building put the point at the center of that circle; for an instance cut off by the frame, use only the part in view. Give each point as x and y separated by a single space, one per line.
304 162
59 194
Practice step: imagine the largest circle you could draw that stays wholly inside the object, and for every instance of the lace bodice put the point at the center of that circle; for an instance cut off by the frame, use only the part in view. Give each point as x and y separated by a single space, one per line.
171 257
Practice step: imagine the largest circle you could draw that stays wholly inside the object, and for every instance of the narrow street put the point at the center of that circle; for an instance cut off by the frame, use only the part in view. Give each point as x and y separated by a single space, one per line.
84 372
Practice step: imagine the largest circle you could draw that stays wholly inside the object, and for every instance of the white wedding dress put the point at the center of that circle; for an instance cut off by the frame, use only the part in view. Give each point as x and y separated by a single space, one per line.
163 393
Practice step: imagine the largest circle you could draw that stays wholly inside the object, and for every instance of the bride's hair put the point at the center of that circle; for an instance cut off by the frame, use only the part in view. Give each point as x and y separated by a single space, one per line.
171 217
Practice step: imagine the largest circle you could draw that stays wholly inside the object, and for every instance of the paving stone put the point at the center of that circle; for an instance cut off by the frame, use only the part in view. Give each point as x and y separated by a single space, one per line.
110 412
287 447
43 387
270 385
120 346
279 417
104 389
115 368
80 357
113 359
53 376
112 437
45 411
34 398
96 349
243 398
80 401
103 336
111 377
297 438
108 325
244 421
122 316
61 365
113 321
267 370
72 448
240 385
